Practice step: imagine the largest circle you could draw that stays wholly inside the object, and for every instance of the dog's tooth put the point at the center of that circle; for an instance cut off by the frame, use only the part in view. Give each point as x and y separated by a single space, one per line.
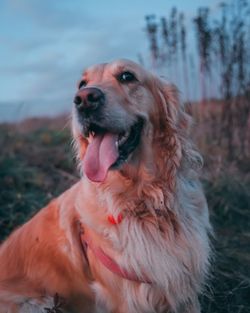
122 138
126 135
90 138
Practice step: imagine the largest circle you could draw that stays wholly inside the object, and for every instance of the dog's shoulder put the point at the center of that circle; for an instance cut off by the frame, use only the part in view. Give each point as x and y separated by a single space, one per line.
67 198
46 222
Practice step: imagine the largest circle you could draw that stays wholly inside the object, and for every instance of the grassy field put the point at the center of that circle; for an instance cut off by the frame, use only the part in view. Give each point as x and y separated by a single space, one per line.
36 164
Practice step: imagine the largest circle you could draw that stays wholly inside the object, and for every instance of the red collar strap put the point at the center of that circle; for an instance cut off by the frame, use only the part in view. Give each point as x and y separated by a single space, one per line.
108 262
114 221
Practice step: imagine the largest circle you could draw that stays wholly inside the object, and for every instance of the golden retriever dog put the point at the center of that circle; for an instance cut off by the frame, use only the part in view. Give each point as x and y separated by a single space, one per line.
132 235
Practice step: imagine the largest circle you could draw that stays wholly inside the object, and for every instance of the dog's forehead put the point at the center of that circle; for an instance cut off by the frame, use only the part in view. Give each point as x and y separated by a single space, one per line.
123 65
114 68
94 69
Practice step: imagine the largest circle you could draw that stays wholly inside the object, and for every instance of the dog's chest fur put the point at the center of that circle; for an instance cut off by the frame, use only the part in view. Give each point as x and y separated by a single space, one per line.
171 249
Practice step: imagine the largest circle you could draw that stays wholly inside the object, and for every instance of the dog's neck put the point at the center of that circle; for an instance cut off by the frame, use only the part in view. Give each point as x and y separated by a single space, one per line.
139 196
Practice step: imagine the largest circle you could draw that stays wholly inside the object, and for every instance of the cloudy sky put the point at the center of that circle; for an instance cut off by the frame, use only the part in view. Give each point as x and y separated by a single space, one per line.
45 45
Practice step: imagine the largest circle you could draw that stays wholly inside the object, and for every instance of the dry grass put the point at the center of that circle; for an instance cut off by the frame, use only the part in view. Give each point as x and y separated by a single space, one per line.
37 164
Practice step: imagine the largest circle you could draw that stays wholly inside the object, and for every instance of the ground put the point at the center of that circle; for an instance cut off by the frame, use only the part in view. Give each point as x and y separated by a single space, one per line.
37 164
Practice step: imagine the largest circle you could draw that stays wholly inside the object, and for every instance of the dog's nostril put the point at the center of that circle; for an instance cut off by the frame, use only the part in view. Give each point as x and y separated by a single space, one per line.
92 97
78 100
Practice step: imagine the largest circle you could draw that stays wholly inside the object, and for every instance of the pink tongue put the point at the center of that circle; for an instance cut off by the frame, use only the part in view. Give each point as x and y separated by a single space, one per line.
100 155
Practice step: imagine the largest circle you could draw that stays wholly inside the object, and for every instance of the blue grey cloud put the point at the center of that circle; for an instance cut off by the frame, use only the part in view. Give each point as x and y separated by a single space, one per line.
45 45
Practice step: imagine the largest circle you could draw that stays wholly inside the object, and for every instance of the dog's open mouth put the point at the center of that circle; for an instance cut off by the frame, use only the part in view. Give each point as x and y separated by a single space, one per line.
108 150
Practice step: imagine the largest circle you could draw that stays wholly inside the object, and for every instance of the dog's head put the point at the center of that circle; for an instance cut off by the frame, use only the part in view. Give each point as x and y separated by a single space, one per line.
125 117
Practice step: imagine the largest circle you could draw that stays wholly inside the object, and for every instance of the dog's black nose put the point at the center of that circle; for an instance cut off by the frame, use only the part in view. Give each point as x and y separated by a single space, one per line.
89 99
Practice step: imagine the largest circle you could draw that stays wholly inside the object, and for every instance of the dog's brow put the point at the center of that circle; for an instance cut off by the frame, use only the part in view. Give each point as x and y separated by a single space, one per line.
124 68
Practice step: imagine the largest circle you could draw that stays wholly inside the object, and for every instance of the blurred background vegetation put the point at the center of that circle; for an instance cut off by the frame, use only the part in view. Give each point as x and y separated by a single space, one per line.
219 68
37 163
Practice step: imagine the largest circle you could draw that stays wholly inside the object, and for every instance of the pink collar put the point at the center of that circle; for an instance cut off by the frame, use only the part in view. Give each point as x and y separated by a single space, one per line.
108 262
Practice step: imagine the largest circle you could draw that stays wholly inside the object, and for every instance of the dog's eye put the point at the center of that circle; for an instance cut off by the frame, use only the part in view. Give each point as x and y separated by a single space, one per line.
82 84
126 77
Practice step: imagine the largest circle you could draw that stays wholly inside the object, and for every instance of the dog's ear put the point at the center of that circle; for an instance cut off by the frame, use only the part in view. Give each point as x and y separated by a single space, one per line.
171 109
171 113
169 99
173 131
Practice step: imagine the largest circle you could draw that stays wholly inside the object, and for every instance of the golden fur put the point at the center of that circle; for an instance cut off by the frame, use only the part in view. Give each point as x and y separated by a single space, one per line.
164 232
